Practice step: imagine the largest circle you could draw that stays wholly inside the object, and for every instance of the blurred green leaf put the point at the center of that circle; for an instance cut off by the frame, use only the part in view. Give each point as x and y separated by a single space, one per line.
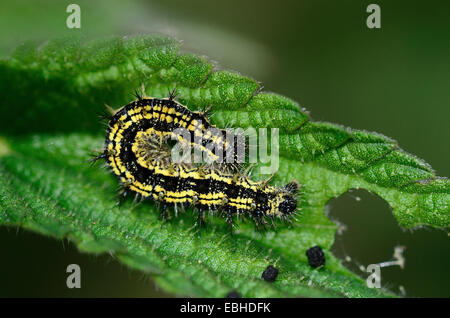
48 101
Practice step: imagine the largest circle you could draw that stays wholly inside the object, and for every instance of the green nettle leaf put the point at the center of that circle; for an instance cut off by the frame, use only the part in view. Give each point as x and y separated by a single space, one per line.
49 98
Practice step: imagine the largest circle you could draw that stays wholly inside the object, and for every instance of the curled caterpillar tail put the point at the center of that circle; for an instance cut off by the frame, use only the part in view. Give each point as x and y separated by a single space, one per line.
138 152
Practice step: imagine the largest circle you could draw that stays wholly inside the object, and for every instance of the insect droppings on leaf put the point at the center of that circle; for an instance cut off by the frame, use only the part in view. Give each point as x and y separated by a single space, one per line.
316 257
270 274
233 294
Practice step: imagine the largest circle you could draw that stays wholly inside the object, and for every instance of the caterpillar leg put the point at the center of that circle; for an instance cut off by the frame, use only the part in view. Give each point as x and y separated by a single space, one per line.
274 226
230 220
200 218
164 212
260 222
175 207
122 195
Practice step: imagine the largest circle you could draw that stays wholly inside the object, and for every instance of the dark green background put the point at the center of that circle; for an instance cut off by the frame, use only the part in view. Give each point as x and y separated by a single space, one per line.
395 80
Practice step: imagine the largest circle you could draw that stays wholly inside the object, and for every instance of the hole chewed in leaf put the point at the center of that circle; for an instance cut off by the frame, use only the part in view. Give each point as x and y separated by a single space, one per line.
368 234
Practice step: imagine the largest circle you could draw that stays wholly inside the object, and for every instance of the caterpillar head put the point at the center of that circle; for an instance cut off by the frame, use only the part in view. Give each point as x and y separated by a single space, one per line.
287 202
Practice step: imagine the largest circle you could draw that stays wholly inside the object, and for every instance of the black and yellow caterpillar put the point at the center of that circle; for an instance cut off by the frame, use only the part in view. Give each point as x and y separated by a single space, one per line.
133 151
